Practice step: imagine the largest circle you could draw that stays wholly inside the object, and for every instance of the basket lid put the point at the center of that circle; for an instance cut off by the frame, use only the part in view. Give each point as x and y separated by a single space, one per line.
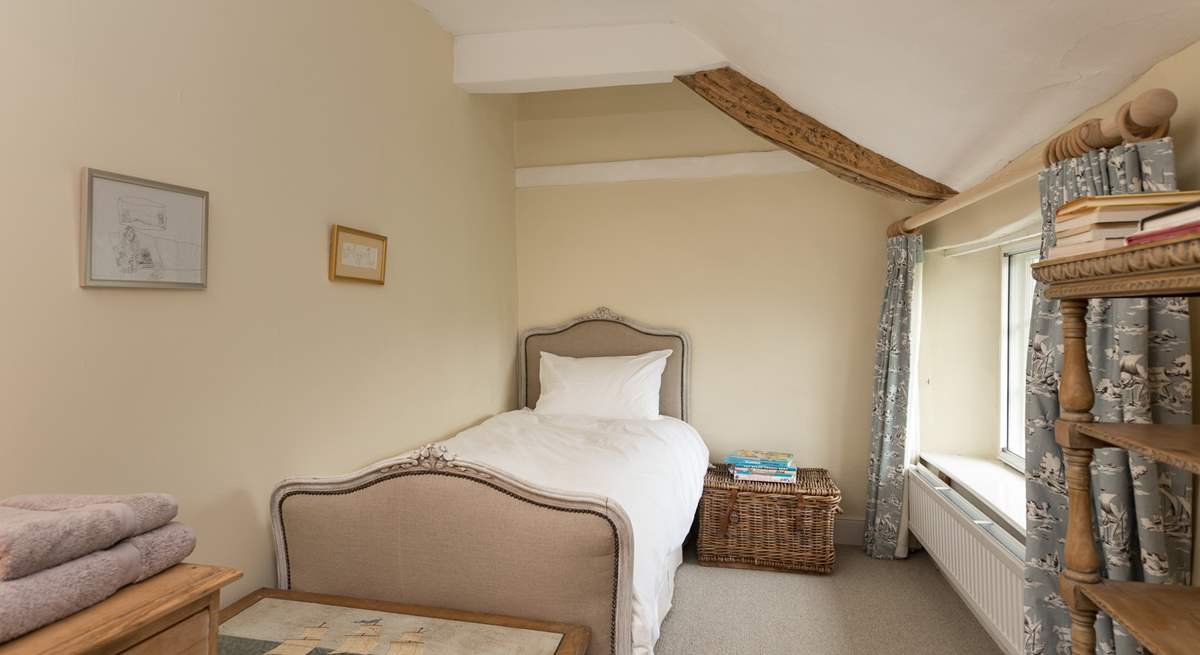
809 482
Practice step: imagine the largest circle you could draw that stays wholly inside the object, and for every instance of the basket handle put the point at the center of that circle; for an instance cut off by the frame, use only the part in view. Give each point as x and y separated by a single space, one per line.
731 516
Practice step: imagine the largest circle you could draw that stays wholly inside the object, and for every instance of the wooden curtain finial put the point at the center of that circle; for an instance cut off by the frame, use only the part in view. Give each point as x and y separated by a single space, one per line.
1148 116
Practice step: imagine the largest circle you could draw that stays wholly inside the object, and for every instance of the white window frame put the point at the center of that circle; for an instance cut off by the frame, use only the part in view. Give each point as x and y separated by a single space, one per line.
1005 455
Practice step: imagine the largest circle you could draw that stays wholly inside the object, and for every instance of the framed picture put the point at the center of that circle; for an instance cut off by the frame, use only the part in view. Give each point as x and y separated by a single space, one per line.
141 233
357 255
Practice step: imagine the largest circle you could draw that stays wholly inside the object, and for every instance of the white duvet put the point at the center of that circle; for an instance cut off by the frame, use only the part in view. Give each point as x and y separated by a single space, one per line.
654 469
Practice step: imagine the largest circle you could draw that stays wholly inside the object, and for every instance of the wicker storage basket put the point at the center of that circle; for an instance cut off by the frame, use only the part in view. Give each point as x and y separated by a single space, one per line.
769 525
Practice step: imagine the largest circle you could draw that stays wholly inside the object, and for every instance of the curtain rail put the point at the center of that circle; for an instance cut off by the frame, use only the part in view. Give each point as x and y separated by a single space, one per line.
1005 178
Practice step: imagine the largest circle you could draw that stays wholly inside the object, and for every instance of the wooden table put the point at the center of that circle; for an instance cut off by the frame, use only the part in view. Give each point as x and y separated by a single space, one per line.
246 622
174 612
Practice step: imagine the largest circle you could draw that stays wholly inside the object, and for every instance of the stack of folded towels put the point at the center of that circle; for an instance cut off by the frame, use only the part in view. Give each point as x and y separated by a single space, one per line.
62 553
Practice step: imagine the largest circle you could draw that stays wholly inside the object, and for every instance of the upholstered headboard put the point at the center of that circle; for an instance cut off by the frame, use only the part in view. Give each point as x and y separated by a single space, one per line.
603 333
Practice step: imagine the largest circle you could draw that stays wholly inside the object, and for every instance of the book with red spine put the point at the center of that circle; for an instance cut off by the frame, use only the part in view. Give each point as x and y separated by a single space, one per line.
1151 236
1169 224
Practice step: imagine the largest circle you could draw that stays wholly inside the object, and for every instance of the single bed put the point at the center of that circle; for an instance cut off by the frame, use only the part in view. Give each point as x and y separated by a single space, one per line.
569 519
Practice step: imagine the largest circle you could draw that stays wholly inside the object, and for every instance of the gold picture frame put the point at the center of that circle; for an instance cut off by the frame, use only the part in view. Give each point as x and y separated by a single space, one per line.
357 255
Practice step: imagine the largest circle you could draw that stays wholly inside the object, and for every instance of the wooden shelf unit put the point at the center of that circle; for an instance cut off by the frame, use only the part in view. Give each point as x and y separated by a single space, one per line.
1164 618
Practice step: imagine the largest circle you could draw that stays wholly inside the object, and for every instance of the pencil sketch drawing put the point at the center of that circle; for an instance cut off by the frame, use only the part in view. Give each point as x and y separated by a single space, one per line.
360 255
142 250
146 234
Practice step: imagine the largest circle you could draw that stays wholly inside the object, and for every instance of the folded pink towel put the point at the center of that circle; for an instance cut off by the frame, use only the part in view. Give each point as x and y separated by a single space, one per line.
28 603
40 531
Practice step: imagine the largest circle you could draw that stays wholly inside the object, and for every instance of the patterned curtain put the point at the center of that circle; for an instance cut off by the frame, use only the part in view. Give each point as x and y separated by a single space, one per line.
893 432
1139 356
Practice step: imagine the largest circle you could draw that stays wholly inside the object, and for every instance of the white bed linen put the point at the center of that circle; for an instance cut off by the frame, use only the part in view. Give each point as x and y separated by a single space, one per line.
654 469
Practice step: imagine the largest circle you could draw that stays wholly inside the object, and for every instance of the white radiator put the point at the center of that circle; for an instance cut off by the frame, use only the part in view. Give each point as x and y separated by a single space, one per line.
981 560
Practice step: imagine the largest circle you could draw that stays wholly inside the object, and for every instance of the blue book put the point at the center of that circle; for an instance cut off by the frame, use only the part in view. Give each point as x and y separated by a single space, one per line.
764 475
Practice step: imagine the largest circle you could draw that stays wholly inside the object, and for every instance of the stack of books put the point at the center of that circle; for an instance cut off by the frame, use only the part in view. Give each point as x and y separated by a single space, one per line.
1094 223
762 466
1174 222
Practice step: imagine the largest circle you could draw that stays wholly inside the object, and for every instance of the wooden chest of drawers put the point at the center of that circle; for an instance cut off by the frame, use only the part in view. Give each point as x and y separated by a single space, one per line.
173 613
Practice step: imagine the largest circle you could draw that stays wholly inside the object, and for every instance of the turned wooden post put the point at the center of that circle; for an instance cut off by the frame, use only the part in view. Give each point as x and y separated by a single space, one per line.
1075 398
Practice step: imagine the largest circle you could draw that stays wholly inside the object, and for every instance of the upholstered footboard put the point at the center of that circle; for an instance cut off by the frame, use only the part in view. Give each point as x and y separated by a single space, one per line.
427 529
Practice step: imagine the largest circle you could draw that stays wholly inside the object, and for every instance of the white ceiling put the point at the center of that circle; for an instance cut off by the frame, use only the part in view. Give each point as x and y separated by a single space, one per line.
953 89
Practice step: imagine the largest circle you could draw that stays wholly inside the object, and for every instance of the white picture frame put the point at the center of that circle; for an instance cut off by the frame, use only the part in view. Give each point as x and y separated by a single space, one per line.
141 233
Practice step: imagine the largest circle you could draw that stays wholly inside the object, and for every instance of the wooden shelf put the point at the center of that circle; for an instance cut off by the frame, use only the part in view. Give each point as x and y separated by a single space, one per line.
1164 268
1177 445
1164 618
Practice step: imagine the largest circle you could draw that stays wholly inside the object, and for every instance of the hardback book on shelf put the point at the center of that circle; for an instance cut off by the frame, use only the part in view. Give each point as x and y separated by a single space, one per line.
1174 222
1122 208
1094 223
760 458
1152 236
1084 248
1085 233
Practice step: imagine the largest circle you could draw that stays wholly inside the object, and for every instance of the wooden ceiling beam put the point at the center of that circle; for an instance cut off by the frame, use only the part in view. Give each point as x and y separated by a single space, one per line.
761 111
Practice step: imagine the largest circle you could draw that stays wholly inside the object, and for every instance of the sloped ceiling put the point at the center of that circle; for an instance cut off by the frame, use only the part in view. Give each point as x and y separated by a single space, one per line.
953 89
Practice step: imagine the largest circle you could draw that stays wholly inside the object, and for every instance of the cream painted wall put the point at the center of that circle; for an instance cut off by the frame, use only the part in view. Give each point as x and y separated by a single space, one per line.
293 115
959 359
988 217
777 279
629 122
960 338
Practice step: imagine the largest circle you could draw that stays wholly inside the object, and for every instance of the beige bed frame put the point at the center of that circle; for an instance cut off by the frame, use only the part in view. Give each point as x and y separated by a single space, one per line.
426 528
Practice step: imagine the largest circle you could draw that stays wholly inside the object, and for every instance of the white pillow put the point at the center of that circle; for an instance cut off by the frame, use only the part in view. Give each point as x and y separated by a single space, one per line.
603 387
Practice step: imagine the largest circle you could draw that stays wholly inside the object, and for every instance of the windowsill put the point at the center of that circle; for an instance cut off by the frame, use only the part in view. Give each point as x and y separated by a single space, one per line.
999 488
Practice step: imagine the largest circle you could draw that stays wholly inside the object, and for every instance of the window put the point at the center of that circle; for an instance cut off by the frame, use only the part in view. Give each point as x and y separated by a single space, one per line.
1017 297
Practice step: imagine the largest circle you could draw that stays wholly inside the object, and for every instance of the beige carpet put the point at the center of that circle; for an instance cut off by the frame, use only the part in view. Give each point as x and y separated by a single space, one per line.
866 607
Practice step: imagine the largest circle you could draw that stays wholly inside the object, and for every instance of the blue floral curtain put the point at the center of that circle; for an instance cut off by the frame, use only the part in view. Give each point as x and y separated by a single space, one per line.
1140 361
893 435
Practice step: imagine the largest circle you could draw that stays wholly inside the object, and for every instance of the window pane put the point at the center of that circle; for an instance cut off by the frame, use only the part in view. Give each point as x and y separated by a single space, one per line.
1020 305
